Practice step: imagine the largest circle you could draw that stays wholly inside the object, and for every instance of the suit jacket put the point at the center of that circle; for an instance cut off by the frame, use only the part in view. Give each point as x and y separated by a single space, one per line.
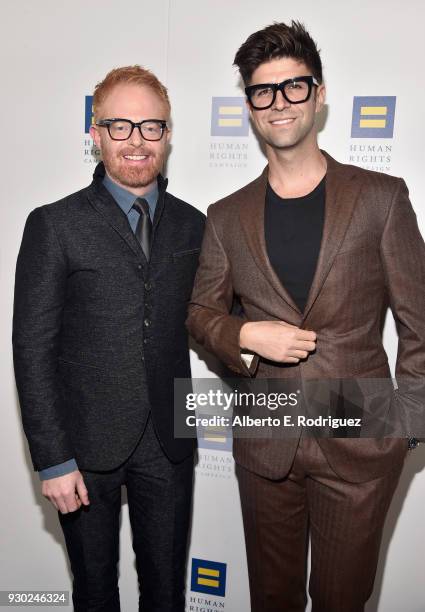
99 332
372 256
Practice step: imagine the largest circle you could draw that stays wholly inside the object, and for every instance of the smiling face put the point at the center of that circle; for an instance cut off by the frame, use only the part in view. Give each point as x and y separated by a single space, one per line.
134 163
285 125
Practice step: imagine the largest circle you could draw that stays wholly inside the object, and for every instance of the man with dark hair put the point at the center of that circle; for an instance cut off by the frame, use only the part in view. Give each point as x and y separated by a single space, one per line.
311 244
102 284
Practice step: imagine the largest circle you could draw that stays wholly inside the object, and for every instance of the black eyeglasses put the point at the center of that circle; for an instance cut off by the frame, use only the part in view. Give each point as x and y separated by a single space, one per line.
295 91
122 129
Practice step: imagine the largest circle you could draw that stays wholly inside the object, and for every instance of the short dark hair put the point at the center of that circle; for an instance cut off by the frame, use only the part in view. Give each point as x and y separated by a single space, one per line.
276 41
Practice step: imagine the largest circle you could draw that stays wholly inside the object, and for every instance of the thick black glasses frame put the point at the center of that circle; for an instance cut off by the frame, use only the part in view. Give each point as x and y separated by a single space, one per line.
251 89
107 123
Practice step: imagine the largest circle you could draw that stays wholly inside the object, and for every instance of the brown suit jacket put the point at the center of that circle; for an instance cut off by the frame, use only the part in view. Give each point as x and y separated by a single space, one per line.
372 256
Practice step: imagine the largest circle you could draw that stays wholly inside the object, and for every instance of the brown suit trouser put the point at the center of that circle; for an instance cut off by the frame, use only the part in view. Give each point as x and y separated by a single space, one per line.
345 521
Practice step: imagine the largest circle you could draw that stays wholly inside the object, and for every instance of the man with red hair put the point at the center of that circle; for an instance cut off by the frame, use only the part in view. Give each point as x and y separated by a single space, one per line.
102 283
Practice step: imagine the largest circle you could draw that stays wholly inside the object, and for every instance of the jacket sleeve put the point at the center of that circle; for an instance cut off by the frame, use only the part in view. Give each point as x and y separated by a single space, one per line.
40 287
209 320
403 257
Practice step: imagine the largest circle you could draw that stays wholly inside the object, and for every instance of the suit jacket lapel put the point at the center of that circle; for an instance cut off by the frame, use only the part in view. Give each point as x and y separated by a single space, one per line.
341 195
102 201
251 214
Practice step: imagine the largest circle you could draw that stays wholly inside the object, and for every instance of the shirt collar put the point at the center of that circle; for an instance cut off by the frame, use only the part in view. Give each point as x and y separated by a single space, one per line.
125 199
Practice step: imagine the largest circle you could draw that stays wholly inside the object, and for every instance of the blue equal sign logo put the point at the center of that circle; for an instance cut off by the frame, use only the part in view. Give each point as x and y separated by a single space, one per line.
215 437
229 117
89 116
373 117
208 577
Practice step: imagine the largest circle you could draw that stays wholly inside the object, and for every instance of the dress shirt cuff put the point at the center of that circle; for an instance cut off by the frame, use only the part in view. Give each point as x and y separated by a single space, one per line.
58 470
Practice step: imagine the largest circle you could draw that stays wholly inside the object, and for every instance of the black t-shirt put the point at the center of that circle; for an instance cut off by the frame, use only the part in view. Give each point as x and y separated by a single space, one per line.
293 232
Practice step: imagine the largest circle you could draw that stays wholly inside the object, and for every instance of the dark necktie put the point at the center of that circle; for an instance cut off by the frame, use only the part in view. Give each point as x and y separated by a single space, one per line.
144 226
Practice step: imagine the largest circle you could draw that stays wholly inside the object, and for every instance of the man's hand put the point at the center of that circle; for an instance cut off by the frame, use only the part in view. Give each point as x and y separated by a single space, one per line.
277 340
67 493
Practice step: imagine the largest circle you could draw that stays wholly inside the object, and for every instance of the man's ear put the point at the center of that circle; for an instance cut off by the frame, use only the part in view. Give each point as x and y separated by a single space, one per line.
94 133
250 112
320 97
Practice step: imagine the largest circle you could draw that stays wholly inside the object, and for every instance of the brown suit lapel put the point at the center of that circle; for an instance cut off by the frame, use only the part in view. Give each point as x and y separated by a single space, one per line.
341 194
251 214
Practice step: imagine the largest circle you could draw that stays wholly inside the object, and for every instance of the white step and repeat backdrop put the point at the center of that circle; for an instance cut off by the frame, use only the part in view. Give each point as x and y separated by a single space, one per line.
52 54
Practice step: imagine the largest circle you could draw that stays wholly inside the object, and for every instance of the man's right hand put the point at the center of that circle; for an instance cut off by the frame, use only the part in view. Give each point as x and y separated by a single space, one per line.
67 493
277 341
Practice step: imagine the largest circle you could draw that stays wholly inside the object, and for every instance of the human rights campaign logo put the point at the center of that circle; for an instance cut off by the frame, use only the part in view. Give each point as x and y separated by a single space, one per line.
215 437
89 117
229 117
373 117
208 577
